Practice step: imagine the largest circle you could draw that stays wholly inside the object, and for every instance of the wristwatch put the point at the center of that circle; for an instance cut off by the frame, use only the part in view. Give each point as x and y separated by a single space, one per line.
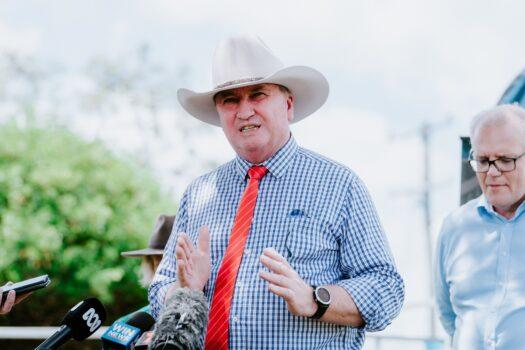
322 299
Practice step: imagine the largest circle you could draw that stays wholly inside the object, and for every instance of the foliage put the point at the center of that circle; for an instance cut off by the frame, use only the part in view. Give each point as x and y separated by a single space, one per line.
67 209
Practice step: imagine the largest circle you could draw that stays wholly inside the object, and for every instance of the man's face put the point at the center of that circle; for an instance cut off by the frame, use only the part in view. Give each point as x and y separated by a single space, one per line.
255 119
504 191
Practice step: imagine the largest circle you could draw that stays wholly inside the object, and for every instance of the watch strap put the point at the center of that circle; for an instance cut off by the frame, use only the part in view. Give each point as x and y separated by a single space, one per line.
321 308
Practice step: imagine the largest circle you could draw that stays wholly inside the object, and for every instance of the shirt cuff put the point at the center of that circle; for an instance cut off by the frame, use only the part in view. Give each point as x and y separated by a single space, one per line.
373 300
157 296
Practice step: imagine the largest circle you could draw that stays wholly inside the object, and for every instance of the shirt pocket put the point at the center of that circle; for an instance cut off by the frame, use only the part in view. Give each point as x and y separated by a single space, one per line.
310 247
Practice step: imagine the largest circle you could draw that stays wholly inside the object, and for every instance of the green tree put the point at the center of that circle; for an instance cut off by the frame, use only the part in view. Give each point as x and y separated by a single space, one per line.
67 209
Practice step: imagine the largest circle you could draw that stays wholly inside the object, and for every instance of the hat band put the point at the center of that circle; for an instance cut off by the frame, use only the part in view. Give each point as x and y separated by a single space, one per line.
238 81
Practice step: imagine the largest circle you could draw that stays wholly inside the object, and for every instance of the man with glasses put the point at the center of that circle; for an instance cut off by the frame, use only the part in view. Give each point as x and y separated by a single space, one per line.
480 261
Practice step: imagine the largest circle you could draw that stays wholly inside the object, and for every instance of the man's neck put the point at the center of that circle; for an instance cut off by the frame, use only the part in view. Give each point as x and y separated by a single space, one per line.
508 212
259 158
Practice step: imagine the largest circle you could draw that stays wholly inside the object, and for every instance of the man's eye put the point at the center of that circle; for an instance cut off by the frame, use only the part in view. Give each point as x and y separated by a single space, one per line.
483 162
505 160
258 94
229 100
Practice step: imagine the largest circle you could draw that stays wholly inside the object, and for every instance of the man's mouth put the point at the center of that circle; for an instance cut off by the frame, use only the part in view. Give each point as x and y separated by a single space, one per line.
249 127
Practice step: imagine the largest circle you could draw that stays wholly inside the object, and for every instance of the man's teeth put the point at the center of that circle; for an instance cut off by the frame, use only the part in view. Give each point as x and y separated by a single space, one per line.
249 127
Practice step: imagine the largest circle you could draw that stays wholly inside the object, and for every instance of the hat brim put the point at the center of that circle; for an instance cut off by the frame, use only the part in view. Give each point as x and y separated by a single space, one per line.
142 252
309 87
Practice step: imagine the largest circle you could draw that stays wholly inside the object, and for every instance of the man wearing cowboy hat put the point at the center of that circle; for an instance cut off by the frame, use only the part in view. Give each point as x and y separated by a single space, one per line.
285 243
151 255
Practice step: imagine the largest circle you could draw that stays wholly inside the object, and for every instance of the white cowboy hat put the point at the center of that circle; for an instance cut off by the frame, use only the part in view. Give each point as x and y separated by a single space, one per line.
246 60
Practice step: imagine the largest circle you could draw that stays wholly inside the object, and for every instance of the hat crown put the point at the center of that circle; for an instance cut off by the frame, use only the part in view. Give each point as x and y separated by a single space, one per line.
242 59
161 232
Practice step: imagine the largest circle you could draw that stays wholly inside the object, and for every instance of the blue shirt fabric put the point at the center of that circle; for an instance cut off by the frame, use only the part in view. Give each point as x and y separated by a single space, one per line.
319 216
480 277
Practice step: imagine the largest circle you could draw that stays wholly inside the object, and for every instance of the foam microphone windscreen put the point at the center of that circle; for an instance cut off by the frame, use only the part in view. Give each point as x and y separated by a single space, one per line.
182 322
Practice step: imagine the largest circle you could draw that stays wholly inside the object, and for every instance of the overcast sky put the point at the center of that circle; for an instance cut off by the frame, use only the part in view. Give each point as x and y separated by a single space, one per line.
392 65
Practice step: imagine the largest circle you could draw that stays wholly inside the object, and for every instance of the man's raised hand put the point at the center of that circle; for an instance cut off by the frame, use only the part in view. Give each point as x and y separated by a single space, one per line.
193 263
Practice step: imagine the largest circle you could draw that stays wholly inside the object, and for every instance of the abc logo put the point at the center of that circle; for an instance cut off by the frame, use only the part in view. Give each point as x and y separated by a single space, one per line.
92 319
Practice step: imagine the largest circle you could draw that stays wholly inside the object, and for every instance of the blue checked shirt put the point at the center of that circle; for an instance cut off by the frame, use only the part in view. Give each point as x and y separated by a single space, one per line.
480 277
319 216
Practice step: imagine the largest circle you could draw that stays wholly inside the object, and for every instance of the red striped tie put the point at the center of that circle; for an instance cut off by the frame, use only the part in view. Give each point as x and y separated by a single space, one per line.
218 321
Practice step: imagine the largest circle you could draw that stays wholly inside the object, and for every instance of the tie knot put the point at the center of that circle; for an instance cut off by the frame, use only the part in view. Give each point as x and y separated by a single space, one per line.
257 172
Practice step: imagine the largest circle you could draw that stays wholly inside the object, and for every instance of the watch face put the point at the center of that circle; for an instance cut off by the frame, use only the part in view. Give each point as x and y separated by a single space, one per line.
323 295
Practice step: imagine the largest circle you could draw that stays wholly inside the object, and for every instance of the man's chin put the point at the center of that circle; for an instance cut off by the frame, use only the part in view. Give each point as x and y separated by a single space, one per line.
253 153
499 201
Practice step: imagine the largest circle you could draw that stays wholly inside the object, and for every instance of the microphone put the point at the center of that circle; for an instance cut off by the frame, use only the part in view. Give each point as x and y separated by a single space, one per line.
122 335
143 341
79 323
182 322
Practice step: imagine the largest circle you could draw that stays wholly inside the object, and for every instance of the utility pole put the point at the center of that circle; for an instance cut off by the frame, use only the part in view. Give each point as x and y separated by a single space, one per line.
426 129
424 133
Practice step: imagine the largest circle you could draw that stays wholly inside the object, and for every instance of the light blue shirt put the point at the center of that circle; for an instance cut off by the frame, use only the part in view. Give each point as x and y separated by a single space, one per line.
480 277
319 216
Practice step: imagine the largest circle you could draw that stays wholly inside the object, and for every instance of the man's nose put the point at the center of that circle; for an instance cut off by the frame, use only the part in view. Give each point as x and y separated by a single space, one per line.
493 170
245 109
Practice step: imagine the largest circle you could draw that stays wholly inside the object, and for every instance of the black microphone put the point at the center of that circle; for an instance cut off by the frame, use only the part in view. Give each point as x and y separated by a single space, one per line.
122 335
79 323
182 322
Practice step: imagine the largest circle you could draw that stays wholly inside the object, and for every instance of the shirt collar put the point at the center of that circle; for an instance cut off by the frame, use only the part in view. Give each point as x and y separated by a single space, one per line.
485 207
276 164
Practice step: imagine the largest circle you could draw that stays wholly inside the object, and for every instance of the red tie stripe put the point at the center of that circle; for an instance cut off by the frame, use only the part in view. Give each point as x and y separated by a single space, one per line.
218 322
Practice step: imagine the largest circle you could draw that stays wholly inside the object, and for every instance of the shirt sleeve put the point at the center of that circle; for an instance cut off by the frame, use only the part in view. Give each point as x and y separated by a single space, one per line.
441 288
166 273
371 276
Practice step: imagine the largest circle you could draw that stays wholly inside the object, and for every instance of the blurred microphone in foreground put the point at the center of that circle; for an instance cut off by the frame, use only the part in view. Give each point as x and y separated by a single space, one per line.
79 323
122 335
182 323
144 341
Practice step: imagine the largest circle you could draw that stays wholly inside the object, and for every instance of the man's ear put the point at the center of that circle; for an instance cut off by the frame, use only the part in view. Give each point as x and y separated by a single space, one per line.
289 105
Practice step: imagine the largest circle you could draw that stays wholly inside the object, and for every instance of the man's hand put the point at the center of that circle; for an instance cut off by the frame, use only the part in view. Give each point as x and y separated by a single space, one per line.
286 283
10 300
8 303
193 263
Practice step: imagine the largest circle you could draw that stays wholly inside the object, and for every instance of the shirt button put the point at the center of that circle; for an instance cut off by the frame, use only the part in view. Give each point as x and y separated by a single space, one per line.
235 319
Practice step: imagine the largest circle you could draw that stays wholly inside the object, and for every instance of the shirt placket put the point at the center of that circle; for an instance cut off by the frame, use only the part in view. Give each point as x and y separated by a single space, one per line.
504 239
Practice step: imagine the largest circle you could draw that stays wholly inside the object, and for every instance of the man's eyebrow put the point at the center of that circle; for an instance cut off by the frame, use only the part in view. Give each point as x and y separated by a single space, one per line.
497 155
224 94
258 88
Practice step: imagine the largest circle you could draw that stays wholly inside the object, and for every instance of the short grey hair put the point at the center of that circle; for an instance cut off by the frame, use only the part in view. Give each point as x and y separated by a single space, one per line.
497 116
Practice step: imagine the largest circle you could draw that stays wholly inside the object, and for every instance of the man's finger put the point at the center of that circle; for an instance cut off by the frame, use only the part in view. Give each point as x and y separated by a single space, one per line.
180 253
9 302
274 254
22 297
272 278
284 293
181 272
277 266
185 242
203 242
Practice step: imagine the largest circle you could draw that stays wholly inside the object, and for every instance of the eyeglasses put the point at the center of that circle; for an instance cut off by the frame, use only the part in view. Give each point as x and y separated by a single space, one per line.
503 164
